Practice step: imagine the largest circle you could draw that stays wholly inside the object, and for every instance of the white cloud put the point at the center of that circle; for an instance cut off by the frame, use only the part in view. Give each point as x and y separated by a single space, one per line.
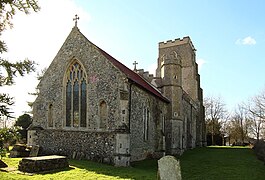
200 63
39 36
246 41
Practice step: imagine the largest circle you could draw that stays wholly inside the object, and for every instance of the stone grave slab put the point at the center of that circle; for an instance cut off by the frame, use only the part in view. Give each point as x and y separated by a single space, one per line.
43 163
169 168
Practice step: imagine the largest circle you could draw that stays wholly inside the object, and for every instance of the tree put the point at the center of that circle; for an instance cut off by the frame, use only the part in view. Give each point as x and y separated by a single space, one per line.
23 122
36 93
215 114
256 114
8 136
239 124
9 70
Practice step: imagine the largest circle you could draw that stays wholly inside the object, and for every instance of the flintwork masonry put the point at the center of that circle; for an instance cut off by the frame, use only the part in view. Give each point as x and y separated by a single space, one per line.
91 106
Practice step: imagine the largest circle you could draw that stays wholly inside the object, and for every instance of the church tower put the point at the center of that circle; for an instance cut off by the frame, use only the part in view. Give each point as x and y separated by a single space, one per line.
178 72
170 71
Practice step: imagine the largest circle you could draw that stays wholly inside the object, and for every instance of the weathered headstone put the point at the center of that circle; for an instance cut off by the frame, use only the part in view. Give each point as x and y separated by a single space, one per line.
34 151
259 149
169 168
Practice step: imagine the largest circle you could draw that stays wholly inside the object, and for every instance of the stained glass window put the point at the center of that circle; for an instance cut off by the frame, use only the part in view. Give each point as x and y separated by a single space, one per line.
83 104
68 103
76 95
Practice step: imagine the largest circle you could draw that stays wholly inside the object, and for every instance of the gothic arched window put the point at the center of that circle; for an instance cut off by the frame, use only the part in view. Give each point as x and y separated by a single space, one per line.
76 96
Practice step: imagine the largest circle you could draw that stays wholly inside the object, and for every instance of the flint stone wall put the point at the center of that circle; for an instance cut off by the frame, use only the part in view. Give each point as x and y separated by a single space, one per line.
95 146
103 83
153 146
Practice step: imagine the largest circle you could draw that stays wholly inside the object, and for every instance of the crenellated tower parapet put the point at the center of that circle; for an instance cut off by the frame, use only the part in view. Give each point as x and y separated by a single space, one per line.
177 42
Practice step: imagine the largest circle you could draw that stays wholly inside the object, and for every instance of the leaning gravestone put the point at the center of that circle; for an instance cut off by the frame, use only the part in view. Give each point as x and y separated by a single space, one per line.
169 168
34 151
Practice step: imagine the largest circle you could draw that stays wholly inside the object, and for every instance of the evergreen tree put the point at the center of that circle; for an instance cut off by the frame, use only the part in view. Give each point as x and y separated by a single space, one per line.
9 70
23 121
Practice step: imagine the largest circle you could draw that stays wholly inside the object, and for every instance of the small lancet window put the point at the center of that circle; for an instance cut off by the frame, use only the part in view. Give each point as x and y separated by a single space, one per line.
146 119
50 118
103 115
76 96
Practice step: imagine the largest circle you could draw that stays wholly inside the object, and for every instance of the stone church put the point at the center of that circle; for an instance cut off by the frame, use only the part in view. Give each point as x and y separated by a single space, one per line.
91 106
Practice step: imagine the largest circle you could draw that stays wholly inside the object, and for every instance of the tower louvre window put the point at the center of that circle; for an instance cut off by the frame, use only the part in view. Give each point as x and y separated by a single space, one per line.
76 96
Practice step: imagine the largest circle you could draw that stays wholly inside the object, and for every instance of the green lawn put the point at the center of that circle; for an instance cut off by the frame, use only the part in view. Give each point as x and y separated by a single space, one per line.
202 163
222 163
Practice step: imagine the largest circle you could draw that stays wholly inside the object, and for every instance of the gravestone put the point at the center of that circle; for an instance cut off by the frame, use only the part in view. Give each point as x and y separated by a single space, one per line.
34 151
19 150
169 168
259 149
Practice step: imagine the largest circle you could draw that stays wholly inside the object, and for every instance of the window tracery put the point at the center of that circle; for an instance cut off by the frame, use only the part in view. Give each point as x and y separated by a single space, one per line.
76 96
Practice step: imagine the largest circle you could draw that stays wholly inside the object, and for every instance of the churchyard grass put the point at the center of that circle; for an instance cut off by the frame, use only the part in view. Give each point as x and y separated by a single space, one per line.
201 163
82 169
215 162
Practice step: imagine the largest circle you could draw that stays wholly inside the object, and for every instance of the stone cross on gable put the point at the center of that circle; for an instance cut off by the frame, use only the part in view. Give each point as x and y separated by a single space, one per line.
135 63
75 19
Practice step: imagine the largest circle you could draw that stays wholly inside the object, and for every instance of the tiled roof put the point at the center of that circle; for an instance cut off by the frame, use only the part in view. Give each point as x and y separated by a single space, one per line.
134 76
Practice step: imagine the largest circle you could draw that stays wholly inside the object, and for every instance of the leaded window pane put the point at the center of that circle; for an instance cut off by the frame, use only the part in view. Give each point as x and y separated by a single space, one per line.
76 95
76 105
68 103
83 104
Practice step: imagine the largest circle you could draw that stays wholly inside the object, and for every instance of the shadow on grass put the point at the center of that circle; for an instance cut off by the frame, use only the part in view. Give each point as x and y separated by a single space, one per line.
146 169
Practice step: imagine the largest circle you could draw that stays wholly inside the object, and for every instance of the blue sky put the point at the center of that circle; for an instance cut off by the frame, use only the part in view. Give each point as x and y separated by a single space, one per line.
229 37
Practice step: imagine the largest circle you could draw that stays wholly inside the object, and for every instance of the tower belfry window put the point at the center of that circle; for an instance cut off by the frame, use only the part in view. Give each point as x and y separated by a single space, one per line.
76 96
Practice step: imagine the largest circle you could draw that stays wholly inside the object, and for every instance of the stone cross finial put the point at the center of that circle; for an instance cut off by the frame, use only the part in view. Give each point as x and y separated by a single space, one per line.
75 19
135 63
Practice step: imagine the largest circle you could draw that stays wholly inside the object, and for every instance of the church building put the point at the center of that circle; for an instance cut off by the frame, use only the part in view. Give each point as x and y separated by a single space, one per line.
91 106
